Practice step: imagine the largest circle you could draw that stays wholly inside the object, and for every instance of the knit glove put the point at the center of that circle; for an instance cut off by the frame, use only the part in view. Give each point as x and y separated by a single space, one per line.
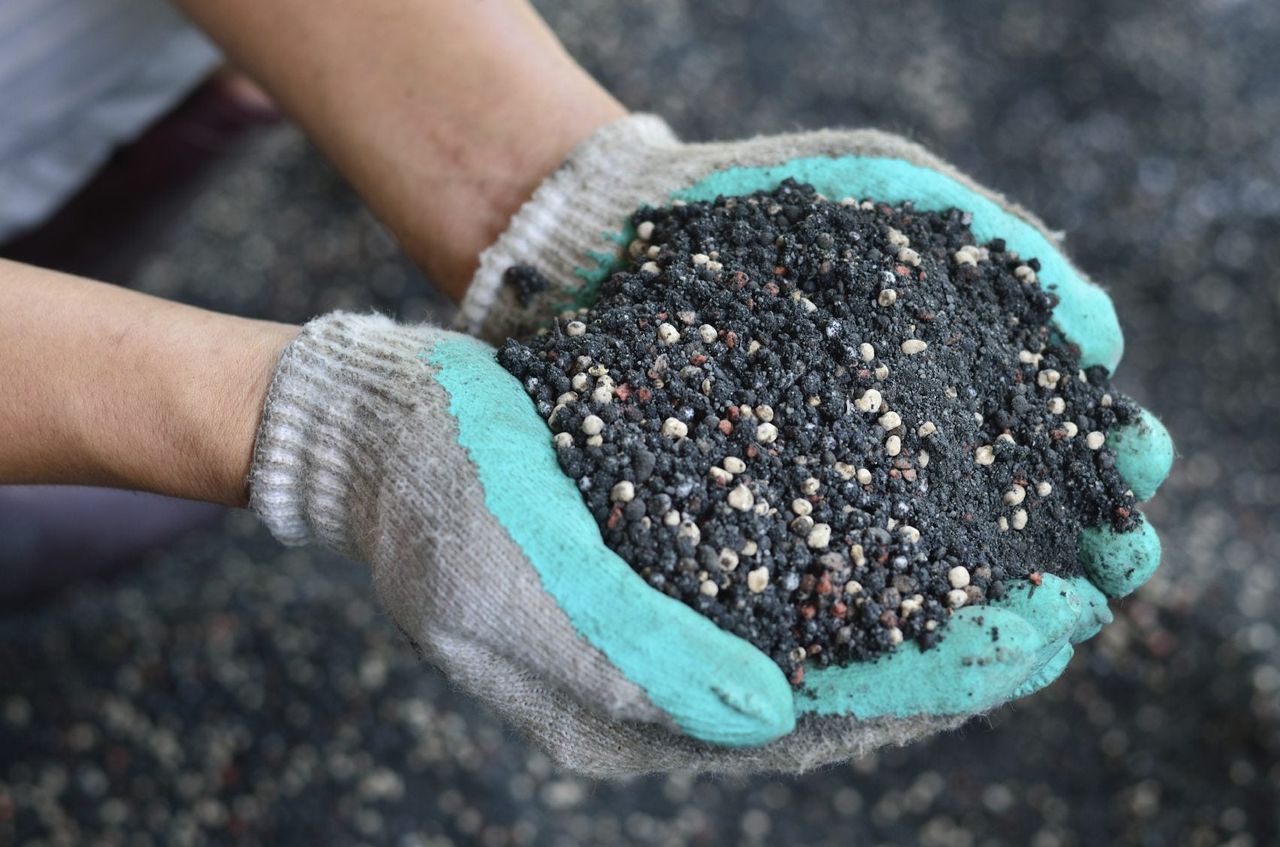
411 449
574 230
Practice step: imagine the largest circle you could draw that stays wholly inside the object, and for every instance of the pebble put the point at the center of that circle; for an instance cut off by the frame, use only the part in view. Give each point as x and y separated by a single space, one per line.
575 328
889 421
623 492
893 445
887 297
766 433
957 597
1019 519
870 401
651 268
644 230
926 429
912 346
864 476
707 333
709 588
958 576
674 428
1048 378
984 455
820 536
758 580
592 425
668 334
741 498
1057 406
1095 440
801 506
733 465
866 351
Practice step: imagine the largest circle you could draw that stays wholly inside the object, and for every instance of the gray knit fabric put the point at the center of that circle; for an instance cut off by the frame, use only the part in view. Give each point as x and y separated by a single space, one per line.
358 451
630 163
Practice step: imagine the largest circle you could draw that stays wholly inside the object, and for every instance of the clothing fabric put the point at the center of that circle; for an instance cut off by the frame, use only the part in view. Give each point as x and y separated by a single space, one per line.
78 78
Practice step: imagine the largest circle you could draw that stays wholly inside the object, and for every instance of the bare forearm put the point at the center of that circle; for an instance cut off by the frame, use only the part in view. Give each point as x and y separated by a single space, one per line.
444 114
104 386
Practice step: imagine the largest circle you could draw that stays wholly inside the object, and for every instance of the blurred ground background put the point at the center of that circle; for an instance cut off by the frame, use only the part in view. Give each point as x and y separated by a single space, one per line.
228 691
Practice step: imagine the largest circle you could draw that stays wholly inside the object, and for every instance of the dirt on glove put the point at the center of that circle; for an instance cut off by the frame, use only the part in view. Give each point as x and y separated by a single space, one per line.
827 425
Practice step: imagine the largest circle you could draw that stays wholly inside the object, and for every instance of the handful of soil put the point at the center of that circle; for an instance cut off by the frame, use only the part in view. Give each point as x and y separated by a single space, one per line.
827 425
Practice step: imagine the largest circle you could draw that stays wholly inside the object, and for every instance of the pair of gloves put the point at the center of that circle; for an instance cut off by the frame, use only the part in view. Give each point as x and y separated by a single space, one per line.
410 448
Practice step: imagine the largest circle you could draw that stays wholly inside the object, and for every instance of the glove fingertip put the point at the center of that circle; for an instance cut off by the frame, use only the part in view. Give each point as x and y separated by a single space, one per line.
1144 454
1094 612
1118 563
1086 316
1047 674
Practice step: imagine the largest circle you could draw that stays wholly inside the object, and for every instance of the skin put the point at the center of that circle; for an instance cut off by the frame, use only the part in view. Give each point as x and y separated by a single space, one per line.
443 115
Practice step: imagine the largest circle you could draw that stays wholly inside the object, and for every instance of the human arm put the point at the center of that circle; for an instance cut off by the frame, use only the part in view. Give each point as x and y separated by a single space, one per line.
105 386
443 115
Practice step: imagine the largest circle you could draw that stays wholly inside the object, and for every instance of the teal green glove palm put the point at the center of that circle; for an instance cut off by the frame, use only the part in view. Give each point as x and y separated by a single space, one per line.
991 654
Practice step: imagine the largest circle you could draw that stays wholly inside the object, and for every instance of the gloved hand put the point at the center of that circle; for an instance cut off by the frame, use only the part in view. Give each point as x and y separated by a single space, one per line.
572 231
411 449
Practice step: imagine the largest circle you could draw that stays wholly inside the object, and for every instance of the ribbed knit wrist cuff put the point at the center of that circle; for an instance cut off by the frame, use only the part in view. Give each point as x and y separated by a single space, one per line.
328 425
573 212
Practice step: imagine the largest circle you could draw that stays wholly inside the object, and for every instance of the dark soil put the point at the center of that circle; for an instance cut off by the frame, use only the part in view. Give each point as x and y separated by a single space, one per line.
824 543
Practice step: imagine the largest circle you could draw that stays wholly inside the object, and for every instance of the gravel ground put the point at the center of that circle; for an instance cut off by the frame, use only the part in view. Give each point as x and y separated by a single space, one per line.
226 690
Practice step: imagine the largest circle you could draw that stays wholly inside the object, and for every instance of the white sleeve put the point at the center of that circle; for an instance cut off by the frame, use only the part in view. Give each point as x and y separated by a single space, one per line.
77 79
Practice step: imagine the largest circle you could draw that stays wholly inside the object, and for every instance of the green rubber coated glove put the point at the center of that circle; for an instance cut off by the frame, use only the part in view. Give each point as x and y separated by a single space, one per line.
572 231
411 449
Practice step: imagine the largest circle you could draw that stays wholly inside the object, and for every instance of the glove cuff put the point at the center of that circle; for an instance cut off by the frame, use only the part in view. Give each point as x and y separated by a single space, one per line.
561 224
327 423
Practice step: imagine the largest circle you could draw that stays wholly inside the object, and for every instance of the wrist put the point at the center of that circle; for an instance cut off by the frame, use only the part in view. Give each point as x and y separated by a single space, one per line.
106 386
497 162
185 420
228 421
